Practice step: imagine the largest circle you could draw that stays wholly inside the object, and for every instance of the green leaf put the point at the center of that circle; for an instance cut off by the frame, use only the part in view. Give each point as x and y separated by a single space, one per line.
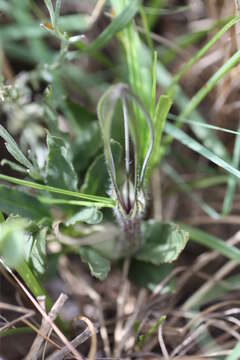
213 243
13 148
103 201
96 179
98 265
149 276
163 242
139 76
35 250
200 149
90 216
213 81
162 109
12 237
14 166
60 171
194 59
17 202
117 24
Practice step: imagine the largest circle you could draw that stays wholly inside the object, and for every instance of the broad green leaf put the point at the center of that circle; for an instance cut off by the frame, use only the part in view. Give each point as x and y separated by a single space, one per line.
90 216
12 237
13 148
212 242
60 171
17 202
185 139
149 276
87 133
35 250
97 177
163 242
104 201
98 265
117 24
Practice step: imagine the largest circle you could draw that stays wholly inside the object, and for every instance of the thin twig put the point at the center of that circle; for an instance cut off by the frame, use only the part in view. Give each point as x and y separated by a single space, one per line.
80 339
46 327
43 313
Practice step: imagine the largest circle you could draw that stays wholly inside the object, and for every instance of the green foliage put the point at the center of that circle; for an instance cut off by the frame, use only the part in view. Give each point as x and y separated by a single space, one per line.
12 237
212 242
163 242
35 249
147 275
60 171
14 150
17 202
90 216
95 181
98 265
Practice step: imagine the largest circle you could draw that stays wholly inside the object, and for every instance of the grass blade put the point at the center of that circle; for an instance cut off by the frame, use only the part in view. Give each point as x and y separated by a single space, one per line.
204 50
50 201
205 90
185 139
118 23
212 242
100 199
176 178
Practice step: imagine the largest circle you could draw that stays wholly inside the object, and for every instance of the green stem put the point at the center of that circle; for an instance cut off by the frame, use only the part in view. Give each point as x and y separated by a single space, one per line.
37 290
32 283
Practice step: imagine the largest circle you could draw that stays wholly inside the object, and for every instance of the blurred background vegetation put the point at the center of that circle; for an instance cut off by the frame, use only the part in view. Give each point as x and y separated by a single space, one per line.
52 78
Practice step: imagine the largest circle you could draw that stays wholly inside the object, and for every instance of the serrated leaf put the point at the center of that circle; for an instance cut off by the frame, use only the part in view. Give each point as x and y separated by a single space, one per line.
60 171
35 250
98 265
90 216
163 242
17 202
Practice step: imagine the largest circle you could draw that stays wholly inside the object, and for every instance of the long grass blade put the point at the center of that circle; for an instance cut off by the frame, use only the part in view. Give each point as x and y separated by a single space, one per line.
194 145
212 242
183 186
33 185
